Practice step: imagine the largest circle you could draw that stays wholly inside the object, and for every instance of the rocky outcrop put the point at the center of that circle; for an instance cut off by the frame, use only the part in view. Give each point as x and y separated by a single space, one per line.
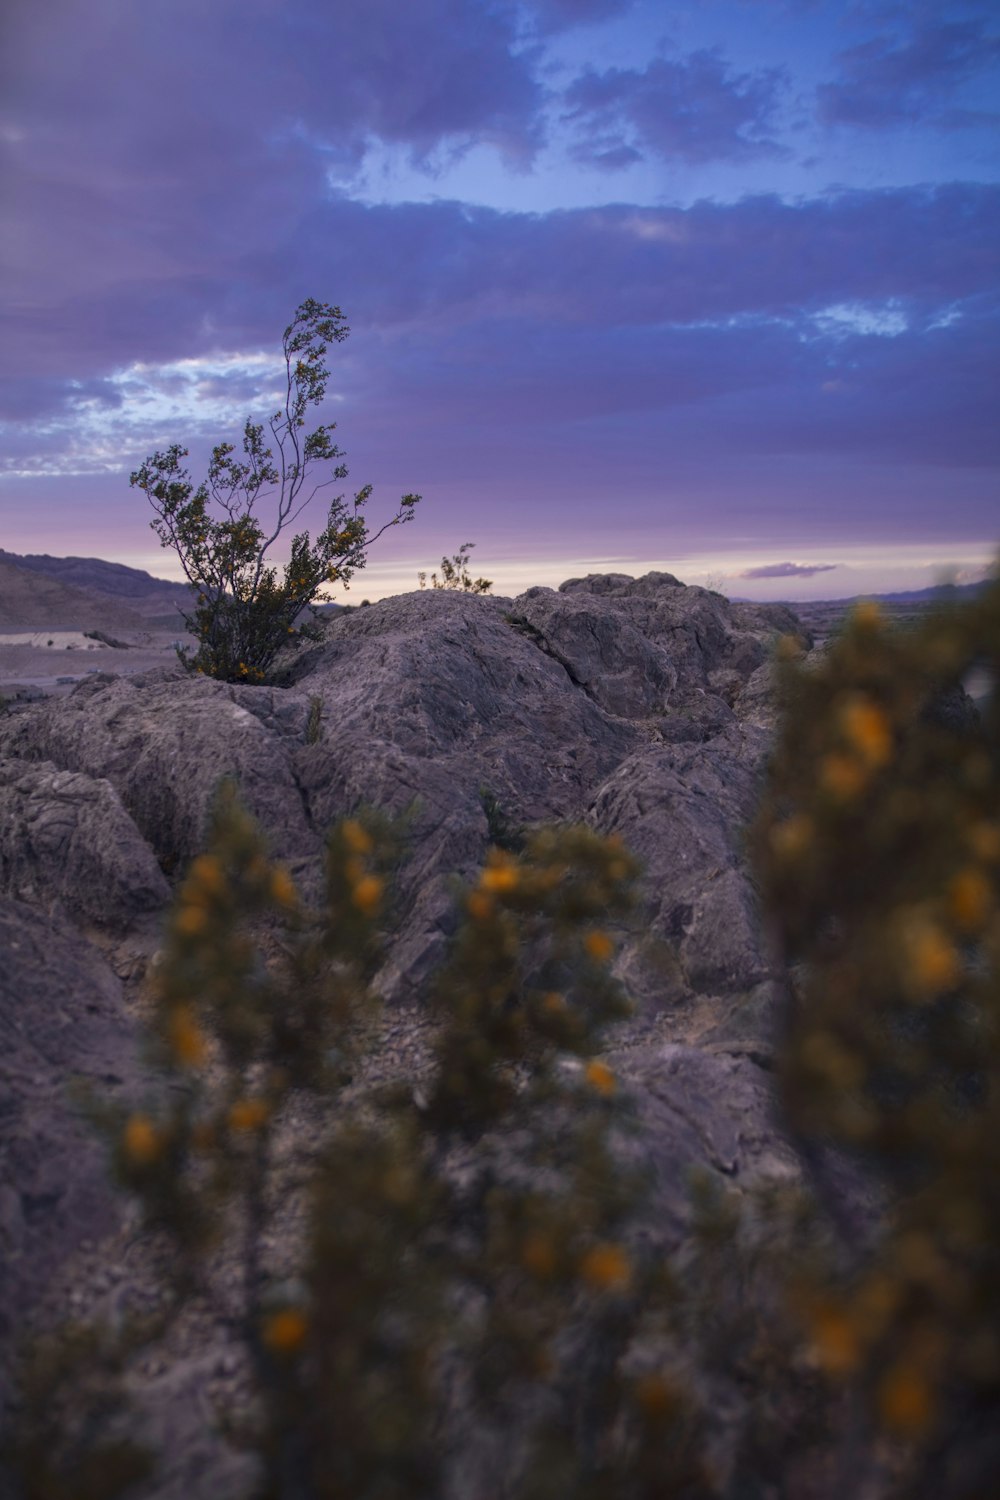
62 1023
67 842
639 706
557 705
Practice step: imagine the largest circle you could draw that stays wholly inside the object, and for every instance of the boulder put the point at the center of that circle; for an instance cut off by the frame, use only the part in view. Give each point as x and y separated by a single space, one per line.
67 842
62 1022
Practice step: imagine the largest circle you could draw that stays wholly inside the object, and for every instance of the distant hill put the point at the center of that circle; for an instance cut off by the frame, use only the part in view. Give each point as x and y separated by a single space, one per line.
32 601
936 594
933 595
157 601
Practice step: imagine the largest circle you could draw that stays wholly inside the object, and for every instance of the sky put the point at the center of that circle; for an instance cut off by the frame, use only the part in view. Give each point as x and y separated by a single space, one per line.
709 287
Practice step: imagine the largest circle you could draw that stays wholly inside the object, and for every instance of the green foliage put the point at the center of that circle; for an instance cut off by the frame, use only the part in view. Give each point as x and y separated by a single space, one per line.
503 834
245 612
433 1294
878 852
455 574
314 723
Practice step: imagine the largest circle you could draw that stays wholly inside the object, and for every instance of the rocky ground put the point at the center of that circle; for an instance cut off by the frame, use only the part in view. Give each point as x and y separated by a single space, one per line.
638 706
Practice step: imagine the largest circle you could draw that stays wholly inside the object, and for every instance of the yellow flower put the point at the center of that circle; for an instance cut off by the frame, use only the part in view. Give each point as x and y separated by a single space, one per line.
969 899
792 836
868 615
206 874
248 1114
601 1078
356 837
538 1255
933 965
187 1040
835 1341
599 946
553 1002
606 1268
367 895
285 1331
191 920
499 878
142 1140
842 776
904 1401
282 886
655 1395
868 730
479 906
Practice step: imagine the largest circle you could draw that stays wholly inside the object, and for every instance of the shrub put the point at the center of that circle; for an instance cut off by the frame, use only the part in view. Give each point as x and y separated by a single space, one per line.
878 852
244 612
455 574
428 1304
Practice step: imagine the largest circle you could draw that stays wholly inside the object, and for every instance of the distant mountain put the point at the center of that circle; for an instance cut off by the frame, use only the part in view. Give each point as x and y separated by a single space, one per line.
157 601
33 601
933 595
114 579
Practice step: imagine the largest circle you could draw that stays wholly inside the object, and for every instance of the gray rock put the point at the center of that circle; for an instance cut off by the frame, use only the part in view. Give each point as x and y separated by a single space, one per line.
67 841
164 741
428 699
640 706
61 1019
632 643
702 1113
681 809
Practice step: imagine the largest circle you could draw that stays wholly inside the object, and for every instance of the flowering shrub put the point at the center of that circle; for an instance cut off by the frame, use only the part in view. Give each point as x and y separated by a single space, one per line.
455 574
878 852
244 612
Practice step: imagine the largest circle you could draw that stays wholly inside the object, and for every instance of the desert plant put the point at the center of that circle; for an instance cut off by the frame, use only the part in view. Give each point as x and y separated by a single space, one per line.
512 1285
314 723
878 852
244 612
455 574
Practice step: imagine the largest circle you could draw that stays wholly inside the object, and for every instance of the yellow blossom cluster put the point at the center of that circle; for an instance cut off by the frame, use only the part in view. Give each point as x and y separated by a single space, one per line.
606 1268
248 1115
284 1332
366 888
142 1142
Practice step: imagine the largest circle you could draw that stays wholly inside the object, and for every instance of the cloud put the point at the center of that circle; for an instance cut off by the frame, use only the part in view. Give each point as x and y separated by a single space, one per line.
888 80
788 570
861 325
557 15
694 109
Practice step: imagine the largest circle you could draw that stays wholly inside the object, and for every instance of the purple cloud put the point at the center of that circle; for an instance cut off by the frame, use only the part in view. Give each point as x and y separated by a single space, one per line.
788 570
695 109
887 81
720 312
555 15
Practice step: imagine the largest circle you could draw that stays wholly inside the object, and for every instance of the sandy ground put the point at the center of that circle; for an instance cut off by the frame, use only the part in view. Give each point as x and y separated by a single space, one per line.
29 665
